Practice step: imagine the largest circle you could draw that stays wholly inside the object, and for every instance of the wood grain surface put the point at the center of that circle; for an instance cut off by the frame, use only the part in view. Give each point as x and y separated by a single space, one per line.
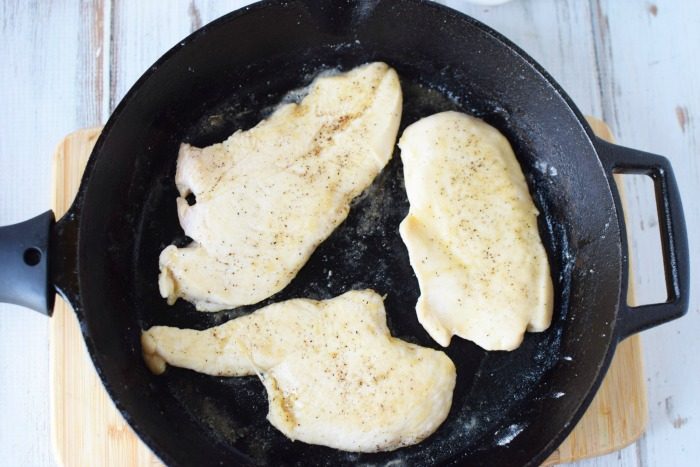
88 430
67 63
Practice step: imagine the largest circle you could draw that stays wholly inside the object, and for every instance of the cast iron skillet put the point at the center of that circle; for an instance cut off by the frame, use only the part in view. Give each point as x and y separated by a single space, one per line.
510 408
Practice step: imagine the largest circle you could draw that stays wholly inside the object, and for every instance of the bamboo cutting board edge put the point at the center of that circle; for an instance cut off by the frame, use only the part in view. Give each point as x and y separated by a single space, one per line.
87 429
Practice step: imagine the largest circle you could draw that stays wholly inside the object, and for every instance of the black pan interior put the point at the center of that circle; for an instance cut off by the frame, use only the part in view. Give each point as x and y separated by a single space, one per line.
509 407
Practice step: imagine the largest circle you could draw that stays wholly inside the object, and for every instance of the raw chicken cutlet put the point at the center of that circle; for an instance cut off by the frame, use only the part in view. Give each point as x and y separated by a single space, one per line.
268 196
333 374
471 234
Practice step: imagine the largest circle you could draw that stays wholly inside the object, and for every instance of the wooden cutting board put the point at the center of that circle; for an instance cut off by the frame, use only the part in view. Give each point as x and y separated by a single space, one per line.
87 430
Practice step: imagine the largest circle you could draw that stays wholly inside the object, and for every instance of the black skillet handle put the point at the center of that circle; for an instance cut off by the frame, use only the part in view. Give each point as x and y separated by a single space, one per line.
24 264
674 240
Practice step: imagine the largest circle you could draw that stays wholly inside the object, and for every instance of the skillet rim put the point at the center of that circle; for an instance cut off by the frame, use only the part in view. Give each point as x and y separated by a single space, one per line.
73 214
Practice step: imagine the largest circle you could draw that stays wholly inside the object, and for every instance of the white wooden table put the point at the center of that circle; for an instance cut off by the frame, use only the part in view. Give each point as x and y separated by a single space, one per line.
67 63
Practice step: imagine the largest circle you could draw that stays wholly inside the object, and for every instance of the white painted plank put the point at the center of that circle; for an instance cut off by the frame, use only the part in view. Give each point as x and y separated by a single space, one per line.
143 31
557 34
47 90
56 78
655 100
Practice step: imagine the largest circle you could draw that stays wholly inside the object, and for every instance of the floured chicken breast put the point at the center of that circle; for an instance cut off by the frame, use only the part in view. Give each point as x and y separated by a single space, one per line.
472 235
333 374
267 197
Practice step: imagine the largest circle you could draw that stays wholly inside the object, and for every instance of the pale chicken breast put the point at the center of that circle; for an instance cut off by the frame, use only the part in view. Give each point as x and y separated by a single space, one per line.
471 234
267 197
333 374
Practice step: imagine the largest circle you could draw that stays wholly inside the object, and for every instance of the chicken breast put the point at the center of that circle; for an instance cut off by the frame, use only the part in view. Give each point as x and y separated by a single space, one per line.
471 234
333 374
267 197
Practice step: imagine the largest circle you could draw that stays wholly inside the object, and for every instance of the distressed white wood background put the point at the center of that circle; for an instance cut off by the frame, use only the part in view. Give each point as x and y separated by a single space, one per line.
67 63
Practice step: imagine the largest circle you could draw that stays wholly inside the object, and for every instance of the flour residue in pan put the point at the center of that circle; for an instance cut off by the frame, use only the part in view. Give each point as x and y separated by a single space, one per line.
297 95
508 434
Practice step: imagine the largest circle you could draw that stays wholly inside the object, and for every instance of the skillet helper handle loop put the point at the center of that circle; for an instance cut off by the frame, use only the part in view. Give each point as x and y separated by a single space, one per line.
24 264
674 240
